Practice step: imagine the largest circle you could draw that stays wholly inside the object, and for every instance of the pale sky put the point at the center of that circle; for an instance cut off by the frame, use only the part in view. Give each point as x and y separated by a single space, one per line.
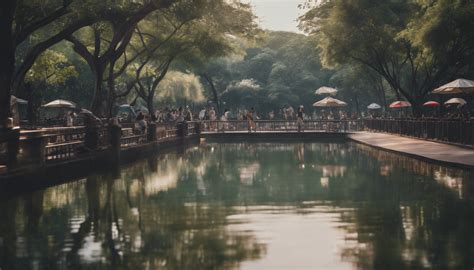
278 14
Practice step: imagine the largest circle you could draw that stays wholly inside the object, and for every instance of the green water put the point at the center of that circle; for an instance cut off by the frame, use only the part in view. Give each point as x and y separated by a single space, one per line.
249 206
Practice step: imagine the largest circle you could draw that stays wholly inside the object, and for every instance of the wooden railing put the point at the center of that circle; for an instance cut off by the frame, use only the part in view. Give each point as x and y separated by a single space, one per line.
63 144
457 131
283 126
66 143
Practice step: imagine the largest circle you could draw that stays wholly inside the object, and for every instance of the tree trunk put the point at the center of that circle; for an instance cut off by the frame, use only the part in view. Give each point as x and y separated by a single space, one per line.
97 99
7 58
150 104
213 89
356 100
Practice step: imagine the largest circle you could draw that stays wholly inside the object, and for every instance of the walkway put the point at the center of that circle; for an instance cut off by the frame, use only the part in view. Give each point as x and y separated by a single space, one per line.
433 151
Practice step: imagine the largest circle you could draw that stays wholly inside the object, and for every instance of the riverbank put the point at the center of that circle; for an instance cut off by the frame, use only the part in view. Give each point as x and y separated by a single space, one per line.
442 153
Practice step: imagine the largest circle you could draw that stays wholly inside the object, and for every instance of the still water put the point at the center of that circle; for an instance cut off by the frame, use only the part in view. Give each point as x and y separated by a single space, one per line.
249 206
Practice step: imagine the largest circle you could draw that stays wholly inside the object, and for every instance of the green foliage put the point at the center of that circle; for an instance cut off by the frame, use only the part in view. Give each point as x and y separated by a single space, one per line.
414 45
51 68
178 87
285 66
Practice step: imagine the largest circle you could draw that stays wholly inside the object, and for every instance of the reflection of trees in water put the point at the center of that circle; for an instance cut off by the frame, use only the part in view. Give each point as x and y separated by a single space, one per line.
171 212
119 225
457 179
405 220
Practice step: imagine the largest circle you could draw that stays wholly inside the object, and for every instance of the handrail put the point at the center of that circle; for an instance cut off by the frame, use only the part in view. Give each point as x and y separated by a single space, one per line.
282 126
457 131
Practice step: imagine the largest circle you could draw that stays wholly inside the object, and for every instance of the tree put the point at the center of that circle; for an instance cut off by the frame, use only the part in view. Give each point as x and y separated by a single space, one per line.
285 65
188 33
385 37
107 40
7 58
26 33
246 92
178 87
51 69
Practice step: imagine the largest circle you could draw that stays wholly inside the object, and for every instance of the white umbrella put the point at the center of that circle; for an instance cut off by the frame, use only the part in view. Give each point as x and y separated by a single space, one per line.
456 101
456 87
374 106
14 99
326 91
60 103
330 102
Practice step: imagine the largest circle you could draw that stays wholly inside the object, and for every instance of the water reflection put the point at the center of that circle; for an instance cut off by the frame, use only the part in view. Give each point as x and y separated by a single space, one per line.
249 206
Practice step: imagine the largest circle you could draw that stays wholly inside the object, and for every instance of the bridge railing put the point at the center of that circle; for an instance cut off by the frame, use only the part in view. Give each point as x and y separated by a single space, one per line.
67 143
282 126
63 144
457 131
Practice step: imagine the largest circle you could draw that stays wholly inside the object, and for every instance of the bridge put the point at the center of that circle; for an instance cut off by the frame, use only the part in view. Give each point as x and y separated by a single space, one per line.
54 147
281 126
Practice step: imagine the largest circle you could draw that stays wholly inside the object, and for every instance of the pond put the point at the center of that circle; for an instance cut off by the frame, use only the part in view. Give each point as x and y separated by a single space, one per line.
249 206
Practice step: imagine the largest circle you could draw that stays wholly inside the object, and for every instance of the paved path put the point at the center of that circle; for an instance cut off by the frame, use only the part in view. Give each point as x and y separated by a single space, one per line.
454 155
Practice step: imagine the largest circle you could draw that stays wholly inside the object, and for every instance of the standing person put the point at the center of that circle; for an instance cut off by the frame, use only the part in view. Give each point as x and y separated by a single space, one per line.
271 115
291 113
180 115
225 119
70 119
141 123
300 116
250 120
212 118
202 114
188 114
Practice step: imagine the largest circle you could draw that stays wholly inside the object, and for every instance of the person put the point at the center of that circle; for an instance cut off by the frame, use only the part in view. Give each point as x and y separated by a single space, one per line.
212 118
225 119
202 114
251 121
141 124
188 114
70 119
180 115
271 115
300 116
92 125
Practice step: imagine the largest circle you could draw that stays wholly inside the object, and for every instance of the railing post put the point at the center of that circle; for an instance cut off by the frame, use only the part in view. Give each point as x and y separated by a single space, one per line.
197 128
35 150
91 139
151 132
180 129
11 138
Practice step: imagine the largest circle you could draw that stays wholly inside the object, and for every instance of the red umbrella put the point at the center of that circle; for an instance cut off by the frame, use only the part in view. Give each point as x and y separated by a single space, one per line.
431 104
400 104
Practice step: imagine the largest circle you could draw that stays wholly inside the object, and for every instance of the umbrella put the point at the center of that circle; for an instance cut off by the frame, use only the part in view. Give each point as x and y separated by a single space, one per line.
456 101
14 99
431 104
86 111
60 103
456 87
400 104
374 106
326 91
330 102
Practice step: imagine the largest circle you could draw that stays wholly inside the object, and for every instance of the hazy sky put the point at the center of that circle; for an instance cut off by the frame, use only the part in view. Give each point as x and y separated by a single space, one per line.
278 14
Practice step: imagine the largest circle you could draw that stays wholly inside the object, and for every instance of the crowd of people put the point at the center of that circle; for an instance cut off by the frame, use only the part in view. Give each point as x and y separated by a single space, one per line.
212 117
